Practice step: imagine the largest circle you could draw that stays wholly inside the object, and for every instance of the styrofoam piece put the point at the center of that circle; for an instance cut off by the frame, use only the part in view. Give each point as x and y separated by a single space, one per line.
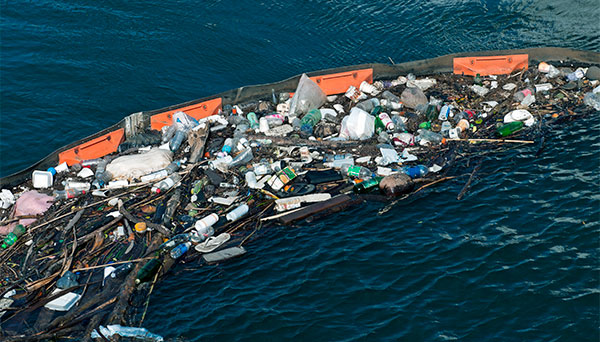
42 179
64 302
86 172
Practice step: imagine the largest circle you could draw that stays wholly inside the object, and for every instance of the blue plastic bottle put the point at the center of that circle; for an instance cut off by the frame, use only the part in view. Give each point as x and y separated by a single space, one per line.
415 171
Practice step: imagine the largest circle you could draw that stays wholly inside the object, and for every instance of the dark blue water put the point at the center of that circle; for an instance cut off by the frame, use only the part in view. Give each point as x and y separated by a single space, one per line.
516 260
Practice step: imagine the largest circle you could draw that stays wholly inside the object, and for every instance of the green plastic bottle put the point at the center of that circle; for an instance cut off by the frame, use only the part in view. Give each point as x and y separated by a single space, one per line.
509 128
12 237
367 185
148 271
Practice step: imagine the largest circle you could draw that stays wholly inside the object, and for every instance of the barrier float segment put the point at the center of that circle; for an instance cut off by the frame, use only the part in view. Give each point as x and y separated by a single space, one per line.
490 65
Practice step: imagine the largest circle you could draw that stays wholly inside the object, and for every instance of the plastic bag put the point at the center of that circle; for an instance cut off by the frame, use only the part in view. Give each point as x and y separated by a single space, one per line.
29 203
308 96
110 330
181 122
359 125
137 165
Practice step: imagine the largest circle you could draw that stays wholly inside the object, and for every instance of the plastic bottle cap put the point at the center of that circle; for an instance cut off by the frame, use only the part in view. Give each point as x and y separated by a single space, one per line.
140 227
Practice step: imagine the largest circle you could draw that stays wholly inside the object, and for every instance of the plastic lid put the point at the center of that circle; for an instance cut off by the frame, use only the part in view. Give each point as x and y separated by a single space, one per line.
52 170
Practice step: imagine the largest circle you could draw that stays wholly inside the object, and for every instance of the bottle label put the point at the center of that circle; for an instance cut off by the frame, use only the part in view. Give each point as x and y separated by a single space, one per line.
526 92
354 171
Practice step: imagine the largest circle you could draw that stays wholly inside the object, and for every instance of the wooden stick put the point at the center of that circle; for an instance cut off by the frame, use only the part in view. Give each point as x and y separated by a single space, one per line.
466 187
494 140
111 264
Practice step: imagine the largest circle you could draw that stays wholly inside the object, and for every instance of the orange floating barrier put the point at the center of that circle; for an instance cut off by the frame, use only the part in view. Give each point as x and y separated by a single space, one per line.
339 82
197 111
95 148
490 65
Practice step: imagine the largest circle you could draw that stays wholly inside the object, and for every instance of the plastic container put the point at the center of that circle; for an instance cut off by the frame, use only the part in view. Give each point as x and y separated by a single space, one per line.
237 213
42 179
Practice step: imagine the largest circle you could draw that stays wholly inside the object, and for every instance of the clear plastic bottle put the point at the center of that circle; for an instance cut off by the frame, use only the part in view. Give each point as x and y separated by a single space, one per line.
368 105
177 140
446 126
356 171
172 205
72 184
331 157
102 177
242 158
389 96
180 250
66 194
173 166
309 121
399 125
174 241
154 175
166 183
432 137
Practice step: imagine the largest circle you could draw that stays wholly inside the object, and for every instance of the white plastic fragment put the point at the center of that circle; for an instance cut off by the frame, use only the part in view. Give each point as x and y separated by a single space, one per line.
520 115
509 86
363 160
479 90
6 199
86 172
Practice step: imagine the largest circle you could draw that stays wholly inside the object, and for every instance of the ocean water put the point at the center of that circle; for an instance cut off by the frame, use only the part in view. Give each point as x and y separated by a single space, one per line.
516 260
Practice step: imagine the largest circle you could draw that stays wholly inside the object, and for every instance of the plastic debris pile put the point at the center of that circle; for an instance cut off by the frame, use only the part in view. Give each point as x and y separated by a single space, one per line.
84 244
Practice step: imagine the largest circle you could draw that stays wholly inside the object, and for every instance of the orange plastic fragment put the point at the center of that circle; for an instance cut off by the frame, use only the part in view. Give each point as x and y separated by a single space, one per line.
339 82
490 65
95 148
197 111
